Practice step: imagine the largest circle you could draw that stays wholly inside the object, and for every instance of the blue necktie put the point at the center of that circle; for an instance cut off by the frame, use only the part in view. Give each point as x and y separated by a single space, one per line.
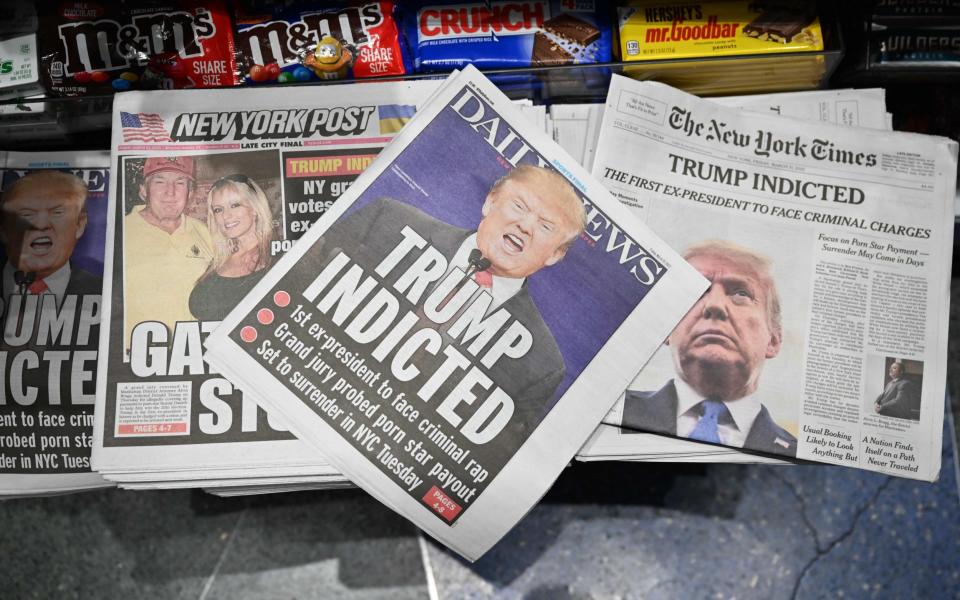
706 429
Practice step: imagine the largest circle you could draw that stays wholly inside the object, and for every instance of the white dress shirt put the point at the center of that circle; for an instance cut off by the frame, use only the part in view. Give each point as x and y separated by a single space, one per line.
733 431
56 286
503 288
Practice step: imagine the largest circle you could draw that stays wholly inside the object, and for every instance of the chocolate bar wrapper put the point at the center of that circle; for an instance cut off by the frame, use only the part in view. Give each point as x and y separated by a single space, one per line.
658 32
496 35
916 13
928 48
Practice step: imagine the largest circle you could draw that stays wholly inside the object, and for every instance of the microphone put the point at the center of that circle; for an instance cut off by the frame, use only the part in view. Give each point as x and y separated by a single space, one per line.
477 262
24 280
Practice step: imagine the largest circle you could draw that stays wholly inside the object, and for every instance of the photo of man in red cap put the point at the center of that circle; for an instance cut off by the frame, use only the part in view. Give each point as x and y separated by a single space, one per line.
165 251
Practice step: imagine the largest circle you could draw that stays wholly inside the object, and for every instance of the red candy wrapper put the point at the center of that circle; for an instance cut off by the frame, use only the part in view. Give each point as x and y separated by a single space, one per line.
102 47
311 41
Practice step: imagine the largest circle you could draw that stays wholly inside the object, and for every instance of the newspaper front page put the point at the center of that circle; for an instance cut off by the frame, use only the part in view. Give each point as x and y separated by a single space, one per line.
451 332
210 189
823 335
53 209
851 107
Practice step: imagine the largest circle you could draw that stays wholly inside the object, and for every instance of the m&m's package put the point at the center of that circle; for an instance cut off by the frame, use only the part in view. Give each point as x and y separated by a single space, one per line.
493 35
311 41
99 47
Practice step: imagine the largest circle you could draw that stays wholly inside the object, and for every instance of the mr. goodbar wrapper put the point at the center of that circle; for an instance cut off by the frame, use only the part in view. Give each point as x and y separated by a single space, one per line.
656 32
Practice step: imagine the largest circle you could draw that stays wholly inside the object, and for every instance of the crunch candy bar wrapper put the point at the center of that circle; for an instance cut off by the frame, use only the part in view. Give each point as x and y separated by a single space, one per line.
490 35
102 47
313 41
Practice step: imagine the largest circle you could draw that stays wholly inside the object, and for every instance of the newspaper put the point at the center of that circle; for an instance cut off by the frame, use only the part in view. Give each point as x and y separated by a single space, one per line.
823 336
53 210
451 332
851 107
576 127
232 181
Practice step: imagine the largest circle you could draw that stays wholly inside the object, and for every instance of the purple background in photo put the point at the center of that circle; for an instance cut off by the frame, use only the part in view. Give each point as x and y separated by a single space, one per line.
583 299
88 253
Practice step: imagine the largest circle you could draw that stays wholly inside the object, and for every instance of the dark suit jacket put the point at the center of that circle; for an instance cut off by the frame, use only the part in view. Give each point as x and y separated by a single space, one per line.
900 399
83 283
369 234
80 283
657 412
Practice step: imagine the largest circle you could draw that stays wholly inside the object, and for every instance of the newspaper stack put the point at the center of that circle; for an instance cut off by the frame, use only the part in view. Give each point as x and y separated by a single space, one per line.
53 210
823 335
451 331
577 129
210 189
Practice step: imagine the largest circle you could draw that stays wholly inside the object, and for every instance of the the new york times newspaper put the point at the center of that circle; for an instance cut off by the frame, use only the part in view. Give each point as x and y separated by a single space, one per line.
53 209
211 188
824 333
863 107
451 333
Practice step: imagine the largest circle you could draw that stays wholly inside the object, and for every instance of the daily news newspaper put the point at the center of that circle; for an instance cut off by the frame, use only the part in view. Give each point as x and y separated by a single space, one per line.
209 189
453 329
53 209
824 333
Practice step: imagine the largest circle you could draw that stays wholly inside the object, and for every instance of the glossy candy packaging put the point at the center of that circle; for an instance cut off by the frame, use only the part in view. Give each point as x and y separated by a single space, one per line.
101 47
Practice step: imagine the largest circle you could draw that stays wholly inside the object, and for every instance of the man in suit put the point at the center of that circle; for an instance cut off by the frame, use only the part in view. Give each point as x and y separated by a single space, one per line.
42 216
530 218
900 397
719 349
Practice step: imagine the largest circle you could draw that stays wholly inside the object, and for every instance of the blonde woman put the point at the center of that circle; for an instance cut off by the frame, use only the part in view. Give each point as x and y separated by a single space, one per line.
241 228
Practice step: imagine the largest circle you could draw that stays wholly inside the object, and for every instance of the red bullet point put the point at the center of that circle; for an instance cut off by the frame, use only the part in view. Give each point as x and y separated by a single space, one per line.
248 334
265 316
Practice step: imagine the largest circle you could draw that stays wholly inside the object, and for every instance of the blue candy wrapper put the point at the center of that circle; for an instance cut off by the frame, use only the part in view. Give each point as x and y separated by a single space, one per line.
495 35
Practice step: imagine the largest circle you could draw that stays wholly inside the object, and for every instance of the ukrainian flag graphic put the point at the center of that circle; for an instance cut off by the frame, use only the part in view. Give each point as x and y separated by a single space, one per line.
394 116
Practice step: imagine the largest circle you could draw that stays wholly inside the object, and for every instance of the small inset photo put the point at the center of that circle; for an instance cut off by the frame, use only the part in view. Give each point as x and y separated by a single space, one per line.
899 386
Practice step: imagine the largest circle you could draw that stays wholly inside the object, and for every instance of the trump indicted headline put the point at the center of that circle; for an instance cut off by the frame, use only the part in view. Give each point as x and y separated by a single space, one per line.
488 338
40 337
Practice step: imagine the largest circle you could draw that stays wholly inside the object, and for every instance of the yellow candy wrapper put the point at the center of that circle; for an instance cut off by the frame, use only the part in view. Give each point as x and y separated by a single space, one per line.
658 31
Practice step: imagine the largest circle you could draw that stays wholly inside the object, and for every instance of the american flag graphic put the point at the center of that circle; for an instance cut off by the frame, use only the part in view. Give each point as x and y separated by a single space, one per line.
143 127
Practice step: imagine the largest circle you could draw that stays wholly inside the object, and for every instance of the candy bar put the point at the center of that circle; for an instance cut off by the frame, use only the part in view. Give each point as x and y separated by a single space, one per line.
547 53
572 28
496 35
722 28
778 26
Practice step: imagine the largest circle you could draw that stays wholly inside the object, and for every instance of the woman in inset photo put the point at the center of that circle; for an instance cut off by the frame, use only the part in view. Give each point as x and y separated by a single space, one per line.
241 228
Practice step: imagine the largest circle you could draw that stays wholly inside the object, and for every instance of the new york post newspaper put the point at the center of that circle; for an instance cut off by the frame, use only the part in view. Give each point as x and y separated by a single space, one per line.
824 333
452 331
210 189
